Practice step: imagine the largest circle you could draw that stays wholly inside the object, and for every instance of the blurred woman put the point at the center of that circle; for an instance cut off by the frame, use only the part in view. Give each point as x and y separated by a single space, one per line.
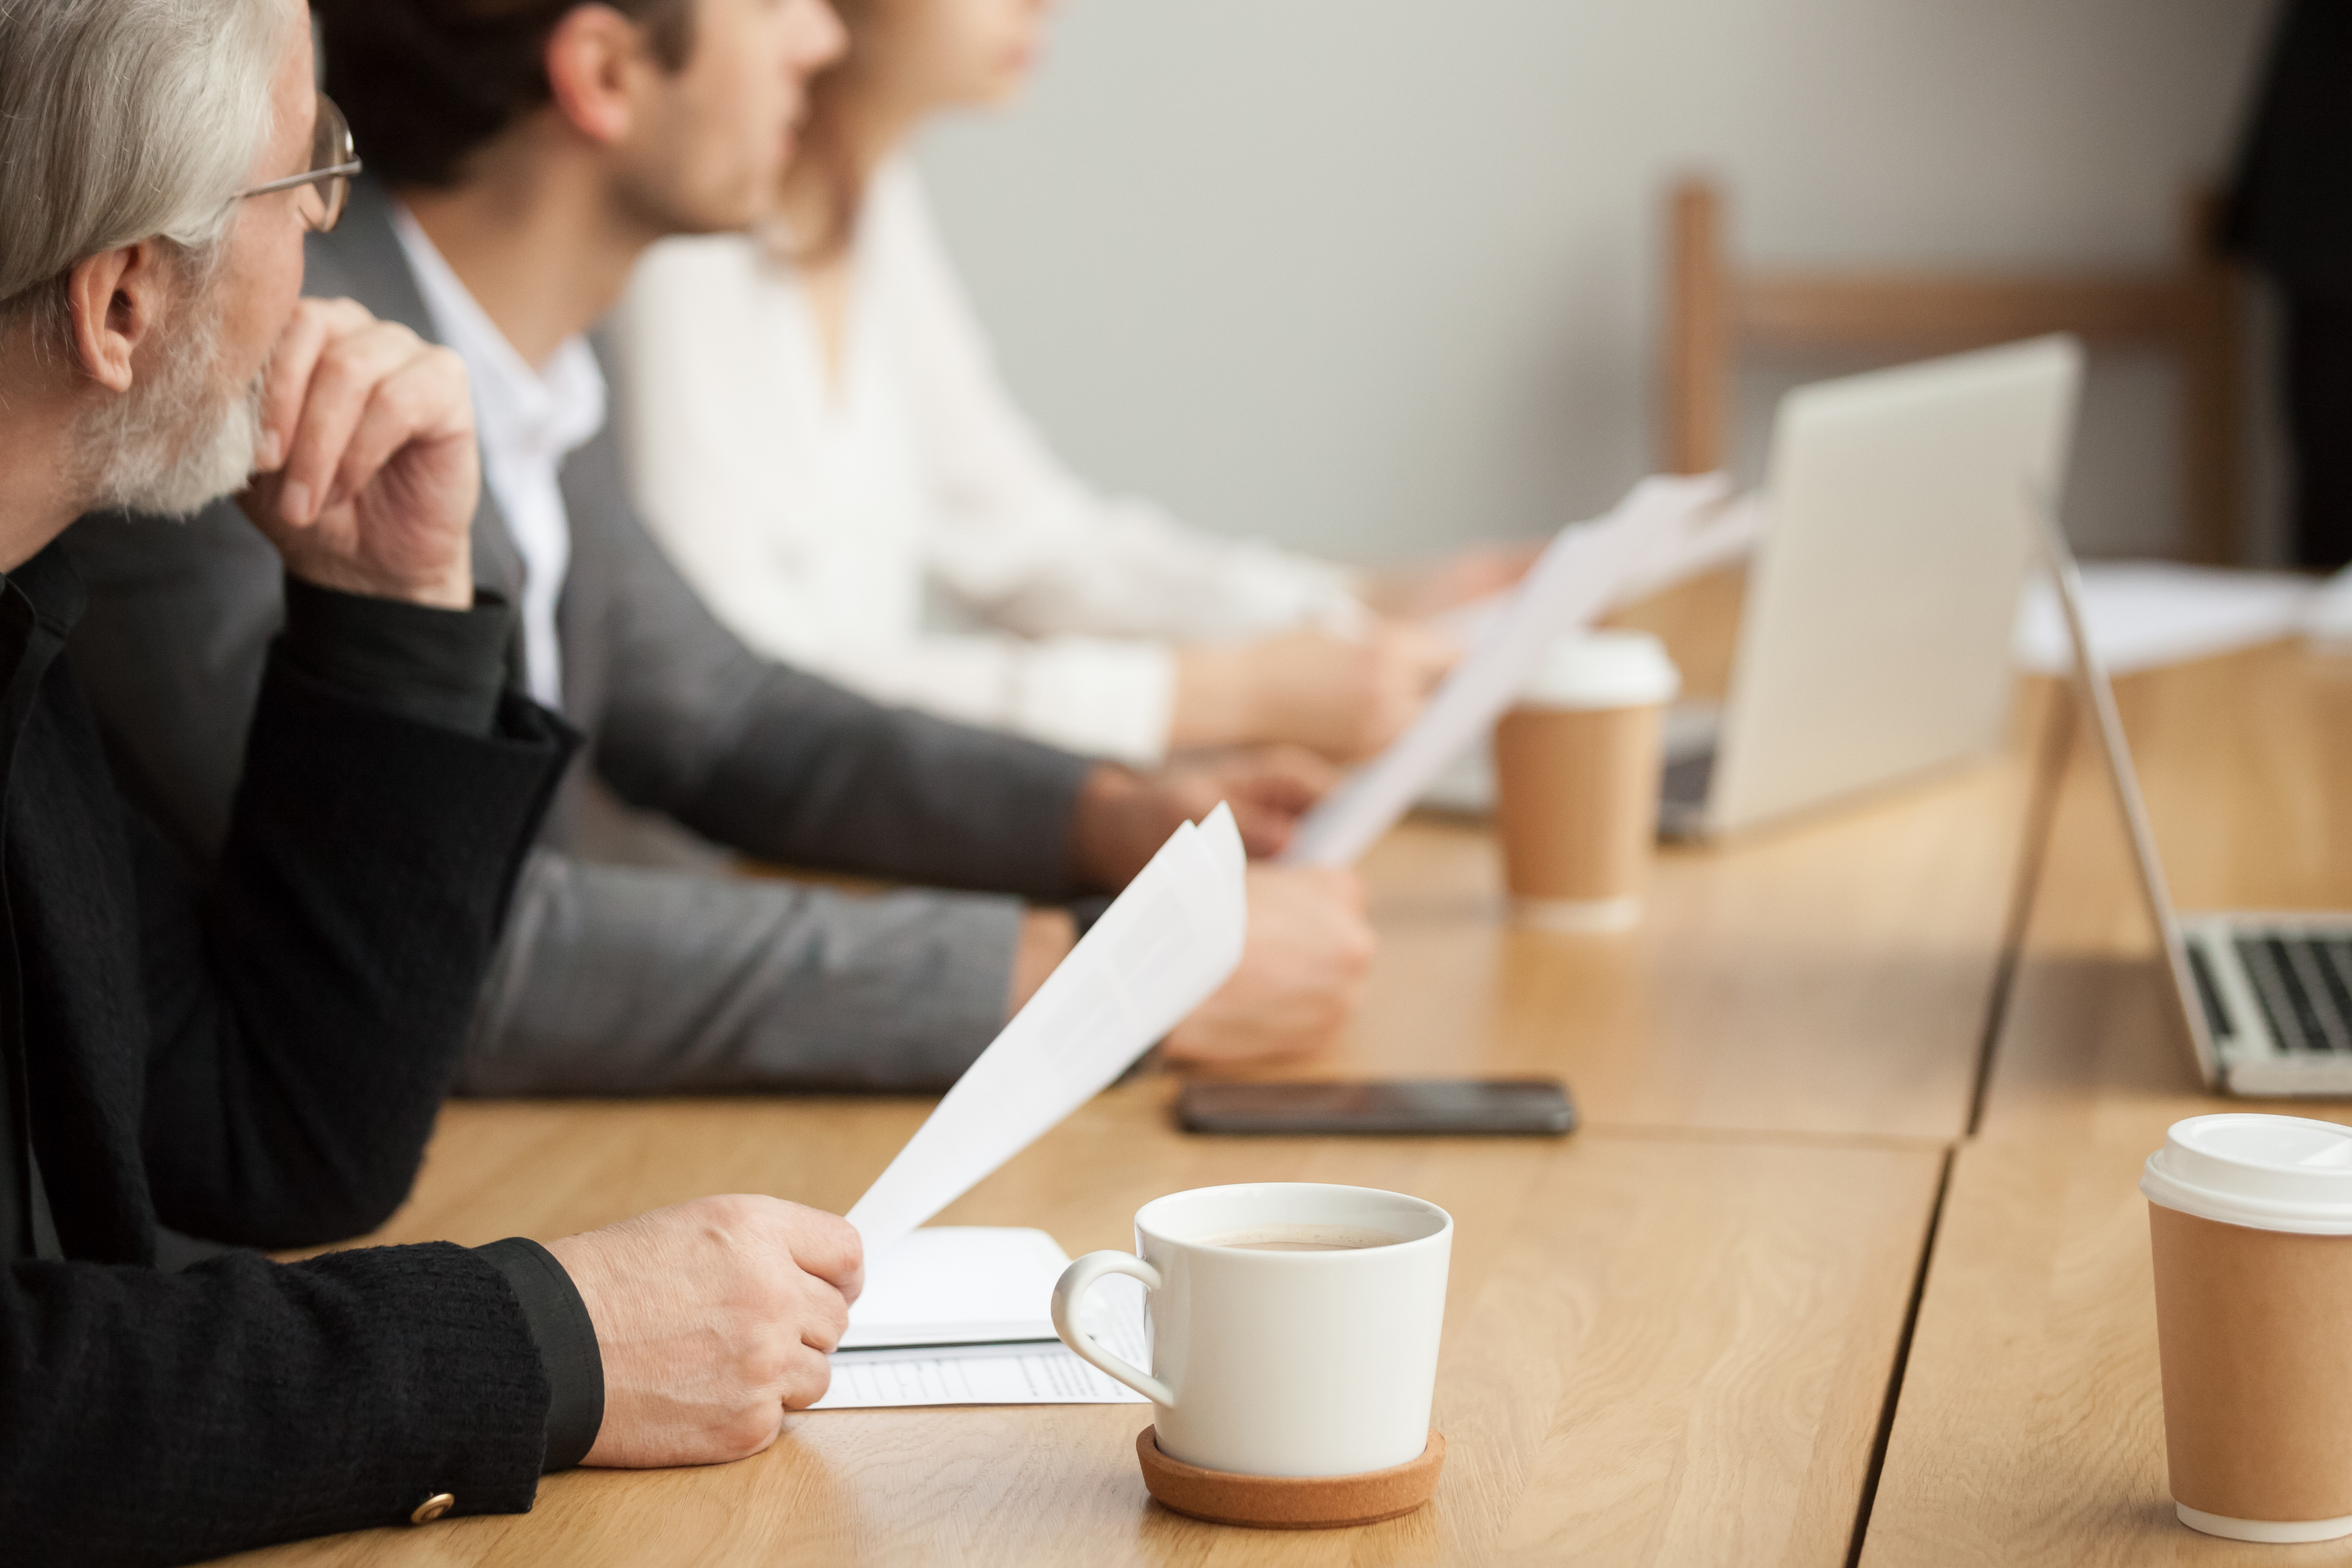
819 437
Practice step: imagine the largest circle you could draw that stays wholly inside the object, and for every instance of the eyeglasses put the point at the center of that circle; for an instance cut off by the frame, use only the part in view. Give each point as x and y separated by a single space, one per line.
333 162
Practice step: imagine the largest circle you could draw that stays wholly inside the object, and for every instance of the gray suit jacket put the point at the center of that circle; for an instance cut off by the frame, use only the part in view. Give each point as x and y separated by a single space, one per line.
617 978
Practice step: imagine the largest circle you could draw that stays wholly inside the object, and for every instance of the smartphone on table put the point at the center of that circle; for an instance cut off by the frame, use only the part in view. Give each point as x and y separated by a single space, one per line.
1392 1106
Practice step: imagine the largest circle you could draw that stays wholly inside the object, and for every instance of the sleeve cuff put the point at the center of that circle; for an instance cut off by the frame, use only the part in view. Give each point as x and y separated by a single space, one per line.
440 666
560 1326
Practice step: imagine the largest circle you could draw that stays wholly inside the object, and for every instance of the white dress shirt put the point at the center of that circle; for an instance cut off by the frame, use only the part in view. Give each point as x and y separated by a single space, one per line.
529 422
908 533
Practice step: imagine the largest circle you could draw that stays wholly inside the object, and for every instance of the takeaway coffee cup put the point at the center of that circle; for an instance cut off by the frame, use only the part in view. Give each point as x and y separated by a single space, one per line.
2250 1220
1577 767
1293 1326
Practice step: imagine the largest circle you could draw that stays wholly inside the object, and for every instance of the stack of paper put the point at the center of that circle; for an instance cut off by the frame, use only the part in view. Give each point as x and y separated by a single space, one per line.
961 1315
1657 532
2145 613
958 1285
981 1374
1171 939
2327 618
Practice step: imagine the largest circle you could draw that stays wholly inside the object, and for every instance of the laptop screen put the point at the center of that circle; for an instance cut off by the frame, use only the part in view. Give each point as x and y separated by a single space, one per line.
2097 699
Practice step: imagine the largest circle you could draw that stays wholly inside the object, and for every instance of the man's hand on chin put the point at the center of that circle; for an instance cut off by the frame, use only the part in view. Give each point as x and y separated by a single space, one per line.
368 471
1124 816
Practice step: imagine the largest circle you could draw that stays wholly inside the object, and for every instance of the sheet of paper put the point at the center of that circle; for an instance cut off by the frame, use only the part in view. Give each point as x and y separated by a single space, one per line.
958 1285
1717 536
963 1315
1156 953
1584 571
2327 619
1718 533
2145 613
1031 1374
1715 533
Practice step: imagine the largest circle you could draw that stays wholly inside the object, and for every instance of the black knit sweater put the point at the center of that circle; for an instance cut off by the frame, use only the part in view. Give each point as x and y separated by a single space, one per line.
258 1057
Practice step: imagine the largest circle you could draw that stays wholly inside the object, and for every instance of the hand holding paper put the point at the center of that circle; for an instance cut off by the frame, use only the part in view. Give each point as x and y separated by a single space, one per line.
1310 953
1169 939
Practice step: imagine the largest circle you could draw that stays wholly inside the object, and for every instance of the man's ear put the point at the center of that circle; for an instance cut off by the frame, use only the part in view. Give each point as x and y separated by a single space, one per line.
118 299
596 60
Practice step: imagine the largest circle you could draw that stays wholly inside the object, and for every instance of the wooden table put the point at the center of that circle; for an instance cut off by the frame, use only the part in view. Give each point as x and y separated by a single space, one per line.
1669 1337
2029 1428
1828 979
1659 1350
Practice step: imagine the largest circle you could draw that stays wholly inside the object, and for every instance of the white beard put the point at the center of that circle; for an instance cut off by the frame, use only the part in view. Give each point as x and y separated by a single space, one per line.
172 445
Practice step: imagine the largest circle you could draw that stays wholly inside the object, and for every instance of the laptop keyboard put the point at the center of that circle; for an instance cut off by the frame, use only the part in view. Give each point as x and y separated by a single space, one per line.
2304 984
1686 780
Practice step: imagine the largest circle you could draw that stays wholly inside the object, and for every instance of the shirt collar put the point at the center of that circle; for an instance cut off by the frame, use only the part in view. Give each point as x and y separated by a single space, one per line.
40 601
52 587
540 415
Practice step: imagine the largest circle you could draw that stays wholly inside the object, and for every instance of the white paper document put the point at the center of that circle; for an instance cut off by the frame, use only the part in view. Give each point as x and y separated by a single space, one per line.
958 1285
2145 613
1166 942
963 1315
1718 532
1588 568
1030 1374
2328 617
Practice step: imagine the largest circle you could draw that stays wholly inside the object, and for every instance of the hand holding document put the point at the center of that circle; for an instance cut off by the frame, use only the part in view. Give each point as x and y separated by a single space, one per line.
1588 569
1171 939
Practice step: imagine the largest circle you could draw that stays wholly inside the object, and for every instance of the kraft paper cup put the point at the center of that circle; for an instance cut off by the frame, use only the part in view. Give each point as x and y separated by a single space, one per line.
1576 766
2251 1222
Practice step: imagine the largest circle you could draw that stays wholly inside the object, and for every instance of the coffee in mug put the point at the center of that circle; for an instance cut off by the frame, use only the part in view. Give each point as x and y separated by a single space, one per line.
1294 1327
1577 769
2251 1225
1305 1238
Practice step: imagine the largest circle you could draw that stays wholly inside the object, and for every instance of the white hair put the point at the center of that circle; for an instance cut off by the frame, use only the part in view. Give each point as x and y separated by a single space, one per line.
123 121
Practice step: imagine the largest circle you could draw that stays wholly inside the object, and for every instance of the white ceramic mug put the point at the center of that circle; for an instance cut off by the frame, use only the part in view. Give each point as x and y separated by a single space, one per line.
1280 1364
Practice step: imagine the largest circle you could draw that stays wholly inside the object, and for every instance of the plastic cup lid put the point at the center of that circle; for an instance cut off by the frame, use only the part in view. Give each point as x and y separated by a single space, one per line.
2267 1172
1603 669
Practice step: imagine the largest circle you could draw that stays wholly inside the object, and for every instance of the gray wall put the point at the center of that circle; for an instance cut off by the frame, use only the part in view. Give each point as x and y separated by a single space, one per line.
1372 276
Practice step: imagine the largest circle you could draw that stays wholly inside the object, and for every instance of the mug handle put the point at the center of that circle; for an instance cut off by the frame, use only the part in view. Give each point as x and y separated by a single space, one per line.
1071 1289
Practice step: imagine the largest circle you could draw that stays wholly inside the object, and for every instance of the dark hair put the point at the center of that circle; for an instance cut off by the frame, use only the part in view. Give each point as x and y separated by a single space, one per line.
426 82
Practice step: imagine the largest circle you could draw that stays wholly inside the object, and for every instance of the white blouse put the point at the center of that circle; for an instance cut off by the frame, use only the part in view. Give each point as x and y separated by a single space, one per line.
909 535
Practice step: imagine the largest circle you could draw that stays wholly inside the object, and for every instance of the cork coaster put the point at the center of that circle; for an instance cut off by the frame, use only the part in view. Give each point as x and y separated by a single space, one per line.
1288 1502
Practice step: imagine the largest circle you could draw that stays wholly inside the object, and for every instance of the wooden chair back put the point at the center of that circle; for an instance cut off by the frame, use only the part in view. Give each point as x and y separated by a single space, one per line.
2194 310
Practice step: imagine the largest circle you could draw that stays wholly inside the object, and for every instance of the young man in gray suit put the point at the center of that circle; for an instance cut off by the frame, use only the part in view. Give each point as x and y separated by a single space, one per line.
530 151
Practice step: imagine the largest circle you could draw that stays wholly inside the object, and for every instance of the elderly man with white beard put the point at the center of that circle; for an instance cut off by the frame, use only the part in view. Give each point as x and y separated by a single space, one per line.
257 1052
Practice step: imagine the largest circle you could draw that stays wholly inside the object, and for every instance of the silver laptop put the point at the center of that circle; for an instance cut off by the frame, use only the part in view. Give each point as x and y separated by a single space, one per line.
2265 1000
1875 642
